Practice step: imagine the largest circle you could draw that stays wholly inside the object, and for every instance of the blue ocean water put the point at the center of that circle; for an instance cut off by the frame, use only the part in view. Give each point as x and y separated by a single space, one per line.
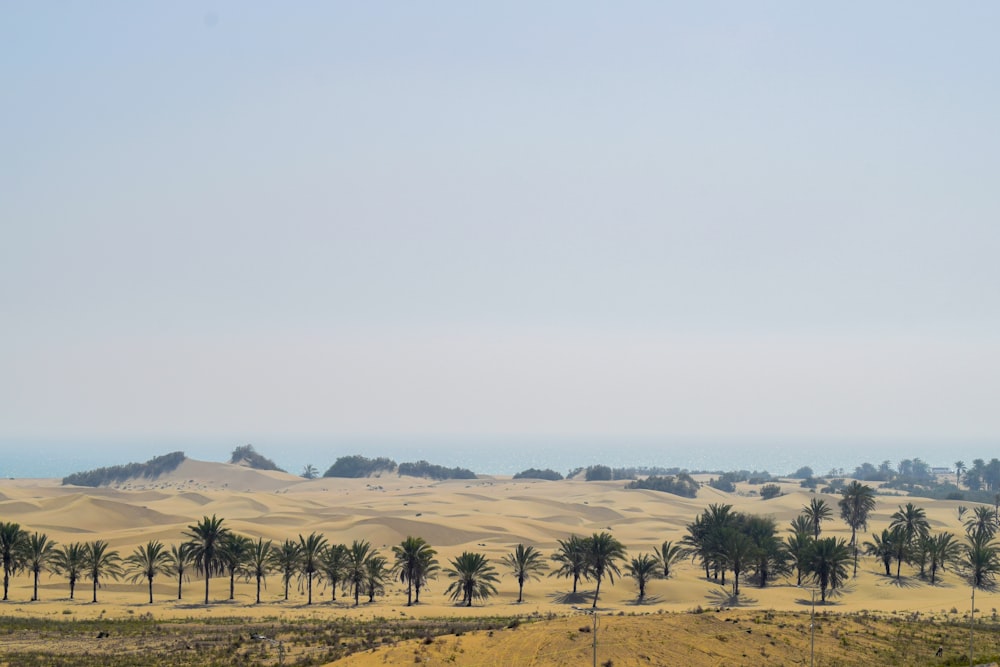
499 455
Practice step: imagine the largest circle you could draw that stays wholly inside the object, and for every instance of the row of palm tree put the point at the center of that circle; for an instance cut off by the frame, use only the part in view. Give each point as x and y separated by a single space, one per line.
721 539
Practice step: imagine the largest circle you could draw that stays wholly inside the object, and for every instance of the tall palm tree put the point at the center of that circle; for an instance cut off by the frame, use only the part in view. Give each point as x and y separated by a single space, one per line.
69 560
525 563
959 469
11 548
357 557
474 578
38 551
983 520
816 512
881 547
180 560
376 574
146 562
801 524
412 556
286 561
668 554
206 539
642 569
310 552
334 564
101 563
913 521
798 545
234 552
572 559
738 551
900 546
603 554
981 563
259 563
828 564
944 549
769 557
856 503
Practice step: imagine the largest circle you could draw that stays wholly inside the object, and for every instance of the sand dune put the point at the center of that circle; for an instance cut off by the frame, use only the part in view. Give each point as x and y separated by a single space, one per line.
489 515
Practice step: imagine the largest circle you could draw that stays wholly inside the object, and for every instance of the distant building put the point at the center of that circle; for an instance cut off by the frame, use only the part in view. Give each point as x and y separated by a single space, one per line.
941 471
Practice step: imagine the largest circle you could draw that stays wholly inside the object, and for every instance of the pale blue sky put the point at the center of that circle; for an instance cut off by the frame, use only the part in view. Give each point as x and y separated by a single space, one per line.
743 219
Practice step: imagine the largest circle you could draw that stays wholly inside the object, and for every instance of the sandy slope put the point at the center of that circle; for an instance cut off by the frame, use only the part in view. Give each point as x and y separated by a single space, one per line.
489 515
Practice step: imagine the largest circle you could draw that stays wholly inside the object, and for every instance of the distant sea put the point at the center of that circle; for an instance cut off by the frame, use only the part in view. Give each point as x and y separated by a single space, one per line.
500 455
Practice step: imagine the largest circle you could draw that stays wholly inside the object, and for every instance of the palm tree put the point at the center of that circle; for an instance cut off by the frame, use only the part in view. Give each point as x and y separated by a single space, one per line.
376 573
900 546
816 512
572 559
668 553
983 520
38 551
69 560
146 562
801 524
11 548
286 561
525 563
309 472
943 550
180 557
474 578
828 564
881 547
856 503
357 557
310 551
259 563
412 557
981 563
798 545
206 540
738 551
913 521
603 554
233 554
769 557
333 563
100 563
959 469
643 568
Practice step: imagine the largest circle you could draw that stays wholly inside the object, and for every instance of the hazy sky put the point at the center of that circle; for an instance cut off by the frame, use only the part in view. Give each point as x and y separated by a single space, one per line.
446 218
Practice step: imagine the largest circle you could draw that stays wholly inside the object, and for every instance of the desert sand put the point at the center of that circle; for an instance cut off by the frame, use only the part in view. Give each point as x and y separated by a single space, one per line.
490 515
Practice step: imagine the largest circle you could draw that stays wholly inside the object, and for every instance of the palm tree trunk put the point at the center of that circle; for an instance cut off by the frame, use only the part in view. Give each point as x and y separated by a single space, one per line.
95 589
309 586
520 589
34 596
409 591
72 587
207 577
597 592
232 584
258 590
6 581
180 580
150 590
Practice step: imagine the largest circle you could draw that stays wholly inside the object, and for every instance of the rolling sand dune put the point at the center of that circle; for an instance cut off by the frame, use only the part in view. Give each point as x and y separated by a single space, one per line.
489 515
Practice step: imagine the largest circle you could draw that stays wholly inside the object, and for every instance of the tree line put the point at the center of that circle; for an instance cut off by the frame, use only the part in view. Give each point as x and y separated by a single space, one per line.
720 540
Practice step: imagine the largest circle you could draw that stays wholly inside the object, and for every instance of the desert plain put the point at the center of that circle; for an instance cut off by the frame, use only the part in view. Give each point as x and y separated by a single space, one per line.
490 515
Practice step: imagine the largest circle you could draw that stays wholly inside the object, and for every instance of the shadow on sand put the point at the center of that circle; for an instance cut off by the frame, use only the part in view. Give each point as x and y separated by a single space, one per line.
572 598
722 598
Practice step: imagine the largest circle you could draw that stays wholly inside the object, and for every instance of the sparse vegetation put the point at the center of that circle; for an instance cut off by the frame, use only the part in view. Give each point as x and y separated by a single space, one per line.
246 455
151 469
